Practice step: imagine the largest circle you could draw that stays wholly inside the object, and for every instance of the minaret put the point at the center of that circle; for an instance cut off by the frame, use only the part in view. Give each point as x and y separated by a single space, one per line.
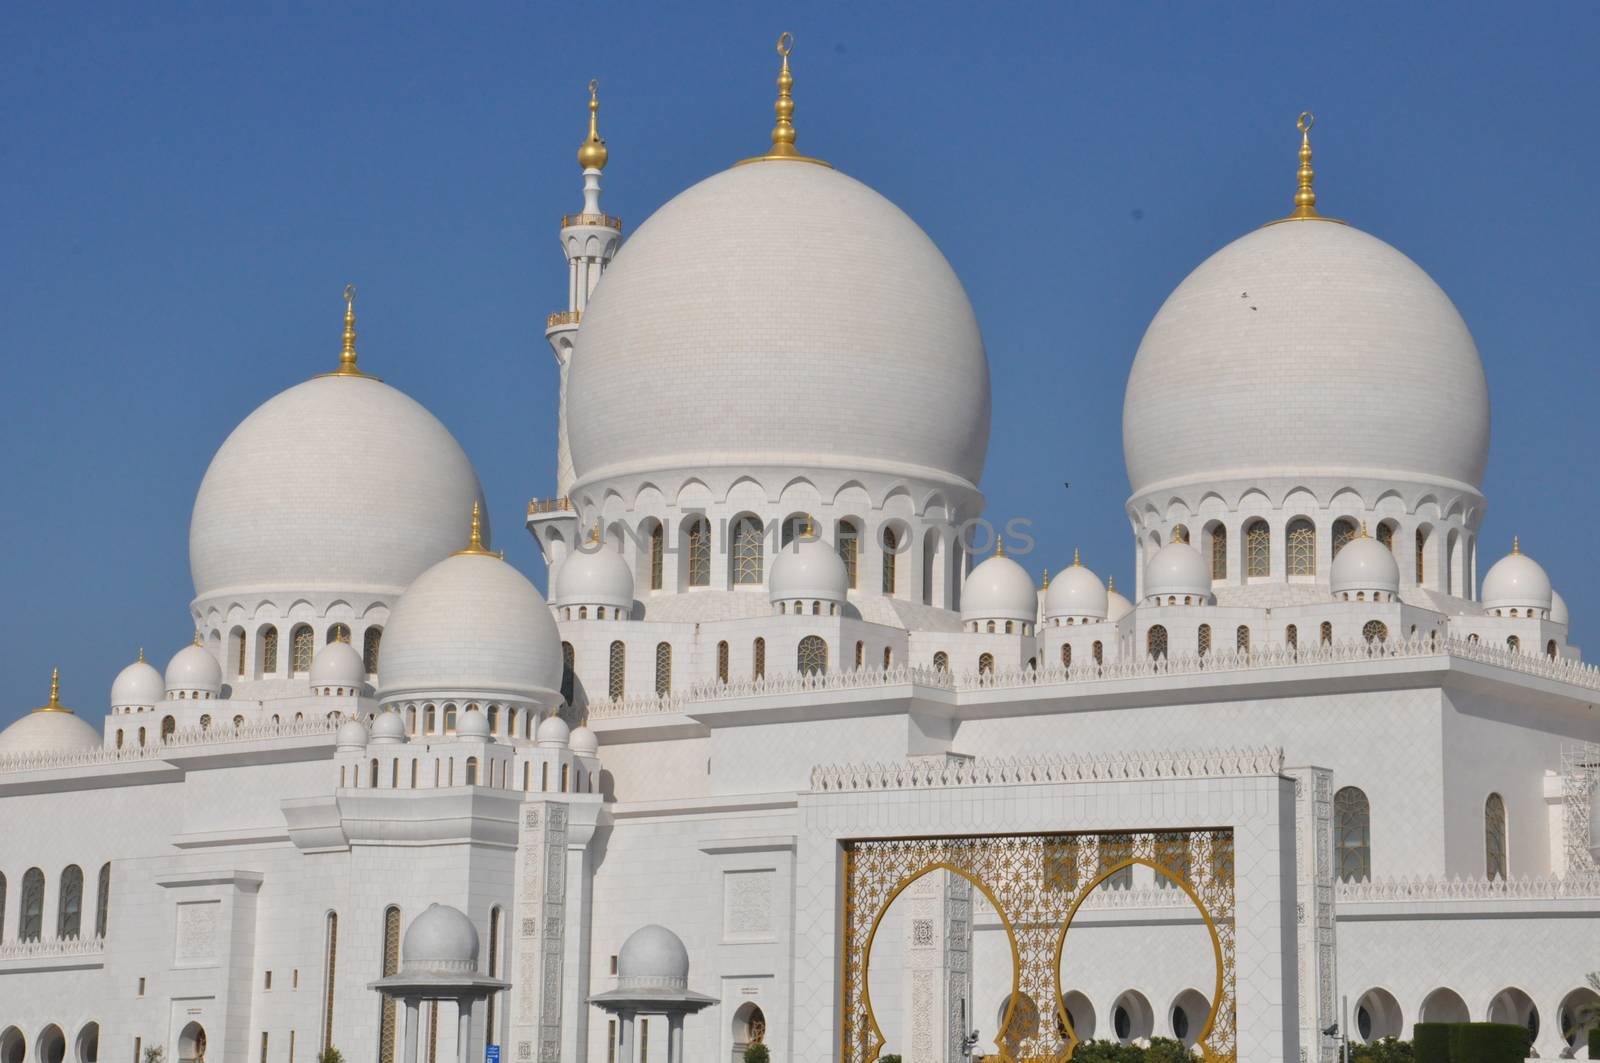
589 240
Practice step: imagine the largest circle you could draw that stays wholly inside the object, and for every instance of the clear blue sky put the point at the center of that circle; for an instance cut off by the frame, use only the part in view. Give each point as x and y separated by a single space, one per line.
188 188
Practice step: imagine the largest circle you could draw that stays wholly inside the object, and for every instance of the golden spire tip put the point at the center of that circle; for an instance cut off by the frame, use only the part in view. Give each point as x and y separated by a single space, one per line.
55 687
1305 196
1076 563
475 545
1516 544
197 641
783 131
1111 583
1046 579
141 654
999 546
592 154
347 352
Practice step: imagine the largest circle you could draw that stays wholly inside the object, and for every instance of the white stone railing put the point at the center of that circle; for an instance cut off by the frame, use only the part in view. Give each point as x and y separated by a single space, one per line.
787 683
47 948
931 774
1113 898
1430 888
217 734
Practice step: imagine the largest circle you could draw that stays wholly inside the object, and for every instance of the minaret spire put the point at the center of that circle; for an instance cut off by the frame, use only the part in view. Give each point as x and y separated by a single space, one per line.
783 131
1305 196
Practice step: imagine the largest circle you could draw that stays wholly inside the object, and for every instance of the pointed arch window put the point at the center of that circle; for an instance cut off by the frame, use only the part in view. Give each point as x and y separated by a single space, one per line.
304 643
722 661
1066 655
1301 544
1291 637
69 907
1099 652
699 552
269 650
658 553
861 655
391 965
370 642
616 680
1219 552
848 538
1514 644
1344 529
1326 633
747 551
1386 535
339 633
1203 639
168 727
1494 837
812 656
891 548
986 664
238 640
569 662
1241 639
888 658
1258 549
1422 549
1375 631
102 907
1155 641
31 926
941 661
1352 835
758 658
663 668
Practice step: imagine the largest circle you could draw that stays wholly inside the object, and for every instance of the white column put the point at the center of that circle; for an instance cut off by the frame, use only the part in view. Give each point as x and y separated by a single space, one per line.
675 1037
624 1037
413 1005
464 1030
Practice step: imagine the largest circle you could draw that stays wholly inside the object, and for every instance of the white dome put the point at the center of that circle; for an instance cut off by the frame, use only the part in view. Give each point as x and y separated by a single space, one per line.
472 625
1287 352
808 568
472 724
1075 592
1177 569
552 732
1558 608
137 684
1364 565
999 589
653 957
338 665
583 741
595 574
440 939
789 289
1517 581
352 734
1117 606
194 669
388 728
339 483
51 728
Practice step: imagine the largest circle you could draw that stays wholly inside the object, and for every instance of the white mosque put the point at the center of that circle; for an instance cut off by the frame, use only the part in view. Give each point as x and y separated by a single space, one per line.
794 753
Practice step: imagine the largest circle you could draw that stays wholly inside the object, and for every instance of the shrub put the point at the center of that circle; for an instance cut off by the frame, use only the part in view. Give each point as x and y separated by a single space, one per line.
759 1054
1488 1042
154 1054
1108 1052
330 1055
1387 1050
892 1058
1167 1050
1431 1042
1594 1043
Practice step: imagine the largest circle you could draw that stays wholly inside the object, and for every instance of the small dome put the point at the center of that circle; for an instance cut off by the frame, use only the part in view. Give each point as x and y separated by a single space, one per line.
1517 581
808 568
472 724
583 741
1076 592
1117 606
1364 565
653 957
1177 569
138 684
352 734
553 732
999 589
193 669
51 728
338 665
595 574
440 939
388 728
1558 608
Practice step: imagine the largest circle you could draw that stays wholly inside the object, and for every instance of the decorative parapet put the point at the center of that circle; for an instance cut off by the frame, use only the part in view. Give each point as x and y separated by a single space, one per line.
189 738
789 683
1013 771
52 948
563 317
562 504
606 221
1540 888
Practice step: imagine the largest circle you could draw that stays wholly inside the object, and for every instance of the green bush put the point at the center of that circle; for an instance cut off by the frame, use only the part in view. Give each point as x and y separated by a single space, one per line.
1594 1043
330 1055
892 1058
759 1054
1166 1050
1431 1042
1387 1050
1488 1042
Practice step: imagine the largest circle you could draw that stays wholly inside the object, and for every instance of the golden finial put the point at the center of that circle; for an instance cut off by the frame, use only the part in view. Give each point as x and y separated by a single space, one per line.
141 654
1111 583
999 546
197 641
592 153
1046 579
1076 563
347 353
783 131
475 545
1305 197
809 532
1516 544
1364 534
54 704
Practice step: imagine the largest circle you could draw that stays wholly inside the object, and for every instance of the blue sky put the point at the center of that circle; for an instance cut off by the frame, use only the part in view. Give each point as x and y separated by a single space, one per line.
189 186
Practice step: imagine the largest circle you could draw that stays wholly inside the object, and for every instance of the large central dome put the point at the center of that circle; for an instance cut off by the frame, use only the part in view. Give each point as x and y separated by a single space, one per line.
780 313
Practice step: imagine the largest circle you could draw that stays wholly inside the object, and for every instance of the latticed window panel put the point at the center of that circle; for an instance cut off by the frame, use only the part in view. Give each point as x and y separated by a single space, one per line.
238 660
658 555
31 927
304 648
1258 549
1203 639
747 552
1343 532
269 650
1494 837
758 658
1219 552
663 668
391 965
812 656
700 553
1115 849
1375 631
1172 853
1066 655
861 655
986 664
1241 639
849 539
1291 637
1301 543
339 633
1422 549
941 661
891 546
1155 641
1386 535
102 909
1326 633
1352 835
370 643
722 661
617 665
1099 650
69 910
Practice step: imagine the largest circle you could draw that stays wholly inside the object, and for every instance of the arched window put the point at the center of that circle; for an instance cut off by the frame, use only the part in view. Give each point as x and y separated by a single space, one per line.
1155 641
1219 552
1241 639
370 642
119 738
269 650
861 655
1203 639
722 661
472 771
304 646
2 907
941 661
141 738
1375 631
747 557
663 668
699 534
330 968
986 664
1495 856
391 965
891 548
1301 546
658 554
1550 649
168 727
1257 549
1326 634
616 683
450 719
1422 546
1099 650
31 926
888 658
338 633
1291 637
1066 655
1386 535
102 907
758 658
1352 835
69 908
1513 644
205 722
812 656
237 639
1344 529
569 661
848 539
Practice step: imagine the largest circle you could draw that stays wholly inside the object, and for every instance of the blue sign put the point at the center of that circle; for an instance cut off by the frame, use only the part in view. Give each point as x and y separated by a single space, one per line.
491 1054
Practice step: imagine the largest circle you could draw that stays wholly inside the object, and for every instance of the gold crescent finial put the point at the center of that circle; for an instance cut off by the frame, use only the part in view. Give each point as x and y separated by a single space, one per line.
785 46
1111 583
1075 562
1516 544
54 704
141 654
999 546
1305 196
347 352
783 131
1046 579
475 545
592 154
